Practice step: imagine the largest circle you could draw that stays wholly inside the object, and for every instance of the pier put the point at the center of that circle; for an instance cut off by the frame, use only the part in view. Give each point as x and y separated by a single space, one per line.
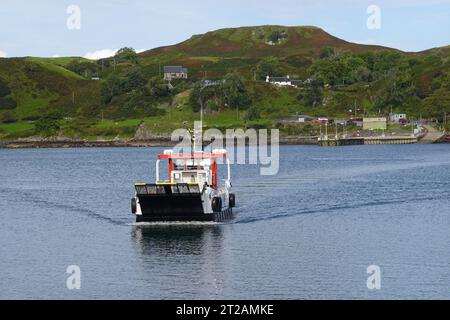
338 142
391 140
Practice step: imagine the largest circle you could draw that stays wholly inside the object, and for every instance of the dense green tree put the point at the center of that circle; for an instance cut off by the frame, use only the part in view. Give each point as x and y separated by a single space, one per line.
112 87
7 103
328 52
126 54
269 66
4 89
83 68
346 69
327 71
312 95
397 90
277 35
116 85
133 81
232 93
235 92
438 103
48 125
158 88
385 62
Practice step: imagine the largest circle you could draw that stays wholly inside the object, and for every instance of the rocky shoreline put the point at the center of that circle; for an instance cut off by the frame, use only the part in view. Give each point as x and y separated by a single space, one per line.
117 143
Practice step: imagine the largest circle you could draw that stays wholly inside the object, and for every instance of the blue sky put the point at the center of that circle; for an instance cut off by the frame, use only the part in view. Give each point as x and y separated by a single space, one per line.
39 28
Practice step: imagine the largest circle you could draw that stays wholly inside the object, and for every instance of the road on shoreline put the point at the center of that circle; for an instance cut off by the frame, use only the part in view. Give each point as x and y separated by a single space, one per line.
432 135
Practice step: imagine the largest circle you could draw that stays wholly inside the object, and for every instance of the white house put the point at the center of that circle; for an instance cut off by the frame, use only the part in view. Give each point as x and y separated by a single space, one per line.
283 81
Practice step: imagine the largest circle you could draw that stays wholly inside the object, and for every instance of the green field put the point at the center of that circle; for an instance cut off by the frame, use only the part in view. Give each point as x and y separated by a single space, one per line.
16 130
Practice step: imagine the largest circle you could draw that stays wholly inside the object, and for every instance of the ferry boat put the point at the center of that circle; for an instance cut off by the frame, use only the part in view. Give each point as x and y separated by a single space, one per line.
192 192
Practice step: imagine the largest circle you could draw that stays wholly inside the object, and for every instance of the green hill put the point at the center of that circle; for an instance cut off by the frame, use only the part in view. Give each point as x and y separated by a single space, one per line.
37 93
222 51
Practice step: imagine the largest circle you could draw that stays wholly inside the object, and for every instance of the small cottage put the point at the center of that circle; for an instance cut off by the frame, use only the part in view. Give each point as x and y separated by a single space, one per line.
175 72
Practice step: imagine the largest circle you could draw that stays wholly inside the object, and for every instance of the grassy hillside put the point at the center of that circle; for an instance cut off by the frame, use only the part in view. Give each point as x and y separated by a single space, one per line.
57 96
239 49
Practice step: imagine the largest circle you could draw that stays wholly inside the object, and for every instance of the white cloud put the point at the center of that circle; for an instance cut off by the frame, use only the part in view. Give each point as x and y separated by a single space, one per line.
366 41
3 54
100 54
56 56
105 53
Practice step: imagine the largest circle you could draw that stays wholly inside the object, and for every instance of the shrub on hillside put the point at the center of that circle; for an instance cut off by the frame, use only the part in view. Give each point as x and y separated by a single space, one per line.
4 89
252 114
83 68
7 104
49 125
277 36
7 117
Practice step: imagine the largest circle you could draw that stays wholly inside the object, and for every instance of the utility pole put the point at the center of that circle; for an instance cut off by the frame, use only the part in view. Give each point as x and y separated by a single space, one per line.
445 121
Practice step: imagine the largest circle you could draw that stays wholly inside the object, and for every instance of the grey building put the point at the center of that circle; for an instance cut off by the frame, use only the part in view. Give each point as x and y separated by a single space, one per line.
175 72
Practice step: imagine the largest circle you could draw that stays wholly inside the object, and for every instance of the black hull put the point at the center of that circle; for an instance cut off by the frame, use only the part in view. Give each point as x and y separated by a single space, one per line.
173 203
218 217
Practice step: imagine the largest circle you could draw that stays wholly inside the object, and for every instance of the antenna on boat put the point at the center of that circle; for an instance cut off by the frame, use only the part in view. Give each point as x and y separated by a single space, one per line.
201 119
193 138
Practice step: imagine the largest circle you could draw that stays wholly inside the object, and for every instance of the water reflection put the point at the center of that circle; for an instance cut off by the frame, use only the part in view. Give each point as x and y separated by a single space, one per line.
189 260
183 239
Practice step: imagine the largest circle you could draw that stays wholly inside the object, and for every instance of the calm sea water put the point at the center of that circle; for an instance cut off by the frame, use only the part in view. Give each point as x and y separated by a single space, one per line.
308 233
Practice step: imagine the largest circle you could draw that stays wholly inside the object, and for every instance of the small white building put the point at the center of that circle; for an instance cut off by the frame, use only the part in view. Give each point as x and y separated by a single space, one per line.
283 81
304 119
398 117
